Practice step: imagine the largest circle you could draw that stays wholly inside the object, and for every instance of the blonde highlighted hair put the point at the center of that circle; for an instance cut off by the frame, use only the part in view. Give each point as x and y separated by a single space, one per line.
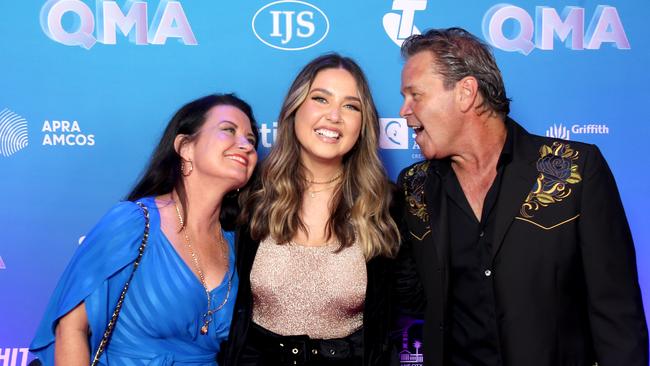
360 204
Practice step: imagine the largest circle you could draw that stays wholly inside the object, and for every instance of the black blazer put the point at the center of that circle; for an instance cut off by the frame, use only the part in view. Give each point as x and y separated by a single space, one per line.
376 320
564 274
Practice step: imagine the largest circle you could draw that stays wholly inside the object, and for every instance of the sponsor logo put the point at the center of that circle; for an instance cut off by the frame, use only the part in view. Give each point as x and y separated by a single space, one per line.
14 356
13 133
562 132
558 132
268 135
394 133
169 21
548 25
398 27
411 334
2 264
65 133
290 25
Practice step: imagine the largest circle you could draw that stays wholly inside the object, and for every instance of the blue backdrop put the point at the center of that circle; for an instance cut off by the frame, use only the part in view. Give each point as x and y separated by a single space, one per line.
86 88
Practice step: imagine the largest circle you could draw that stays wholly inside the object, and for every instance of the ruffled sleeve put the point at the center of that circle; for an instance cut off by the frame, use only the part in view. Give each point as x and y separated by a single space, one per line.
95 275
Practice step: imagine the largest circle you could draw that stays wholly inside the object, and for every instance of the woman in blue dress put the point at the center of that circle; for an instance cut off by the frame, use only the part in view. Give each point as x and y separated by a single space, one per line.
178 308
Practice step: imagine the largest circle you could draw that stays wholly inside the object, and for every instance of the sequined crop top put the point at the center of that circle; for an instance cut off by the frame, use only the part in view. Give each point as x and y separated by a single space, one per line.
300 290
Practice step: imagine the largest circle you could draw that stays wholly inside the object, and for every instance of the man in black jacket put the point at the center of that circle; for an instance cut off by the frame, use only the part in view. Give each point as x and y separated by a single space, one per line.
516 246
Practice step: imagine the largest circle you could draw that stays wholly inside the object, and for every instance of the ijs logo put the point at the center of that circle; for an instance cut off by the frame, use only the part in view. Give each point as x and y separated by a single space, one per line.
290 25
169 21
393 133
13 133
562 132
400 26
605 27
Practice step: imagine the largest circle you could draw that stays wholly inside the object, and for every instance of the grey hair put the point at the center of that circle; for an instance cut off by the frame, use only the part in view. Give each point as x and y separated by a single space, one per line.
458 54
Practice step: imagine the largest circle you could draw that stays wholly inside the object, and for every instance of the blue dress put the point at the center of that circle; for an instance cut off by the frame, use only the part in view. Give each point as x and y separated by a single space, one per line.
160 320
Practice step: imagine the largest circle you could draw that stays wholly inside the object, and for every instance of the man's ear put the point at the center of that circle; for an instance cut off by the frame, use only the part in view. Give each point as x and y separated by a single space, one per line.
183 147
467 93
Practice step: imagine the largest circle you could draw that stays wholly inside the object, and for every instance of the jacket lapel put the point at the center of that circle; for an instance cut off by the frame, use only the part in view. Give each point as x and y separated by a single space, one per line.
437 209
518 179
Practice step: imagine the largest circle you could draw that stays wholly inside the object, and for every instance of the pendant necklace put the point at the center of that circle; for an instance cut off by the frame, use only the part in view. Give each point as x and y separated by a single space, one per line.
312 193
207 317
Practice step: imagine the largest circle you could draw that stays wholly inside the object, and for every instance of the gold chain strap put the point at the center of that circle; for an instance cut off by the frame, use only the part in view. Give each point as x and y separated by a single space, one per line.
111 324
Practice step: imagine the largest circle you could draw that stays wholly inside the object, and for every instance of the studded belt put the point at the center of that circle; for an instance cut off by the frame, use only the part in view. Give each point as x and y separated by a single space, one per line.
302 350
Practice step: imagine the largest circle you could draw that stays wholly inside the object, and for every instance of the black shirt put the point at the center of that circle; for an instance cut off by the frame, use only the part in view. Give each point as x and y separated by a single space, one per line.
473 333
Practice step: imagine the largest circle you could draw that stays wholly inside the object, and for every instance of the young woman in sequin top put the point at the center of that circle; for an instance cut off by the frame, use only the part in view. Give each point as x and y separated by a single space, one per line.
314 253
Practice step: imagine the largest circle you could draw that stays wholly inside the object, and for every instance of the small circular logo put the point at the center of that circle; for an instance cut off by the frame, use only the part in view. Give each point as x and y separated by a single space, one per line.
290 25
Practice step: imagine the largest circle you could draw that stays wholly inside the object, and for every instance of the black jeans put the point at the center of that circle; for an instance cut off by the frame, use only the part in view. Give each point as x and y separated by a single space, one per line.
265 348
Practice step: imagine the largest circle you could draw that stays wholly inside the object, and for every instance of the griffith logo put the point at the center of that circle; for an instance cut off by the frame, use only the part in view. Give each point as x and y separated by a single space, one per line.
399 27
13 133
558 132
290 25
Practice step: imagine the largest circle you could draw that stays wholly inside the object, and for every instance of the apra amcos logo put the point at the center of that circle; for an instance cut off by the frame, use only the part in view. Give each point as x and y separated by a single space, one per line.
398 27
13 133
65 133
290 25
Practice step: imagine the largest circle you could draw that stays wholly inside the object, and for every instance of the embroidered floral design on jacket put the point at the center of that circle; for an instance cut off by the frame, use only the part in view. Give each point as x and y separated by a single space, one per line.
414 190
557 171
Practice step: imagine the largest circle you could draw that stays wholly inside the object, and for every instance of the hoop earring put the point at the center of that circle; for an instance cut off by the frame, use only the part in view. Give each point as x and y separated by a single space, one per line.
186 167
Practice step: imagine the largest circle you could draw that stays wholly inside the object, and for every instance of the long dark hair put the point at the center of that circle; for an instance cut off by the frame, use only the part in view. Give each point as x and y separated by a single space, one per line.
163 172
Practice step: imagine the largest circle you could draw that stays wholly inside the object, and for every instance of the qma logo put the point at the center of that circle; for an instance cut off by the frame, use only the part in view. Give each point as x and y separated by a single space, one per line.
13 133
562 132
169 21
605 27
290 25
14 356
398 27
65 133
